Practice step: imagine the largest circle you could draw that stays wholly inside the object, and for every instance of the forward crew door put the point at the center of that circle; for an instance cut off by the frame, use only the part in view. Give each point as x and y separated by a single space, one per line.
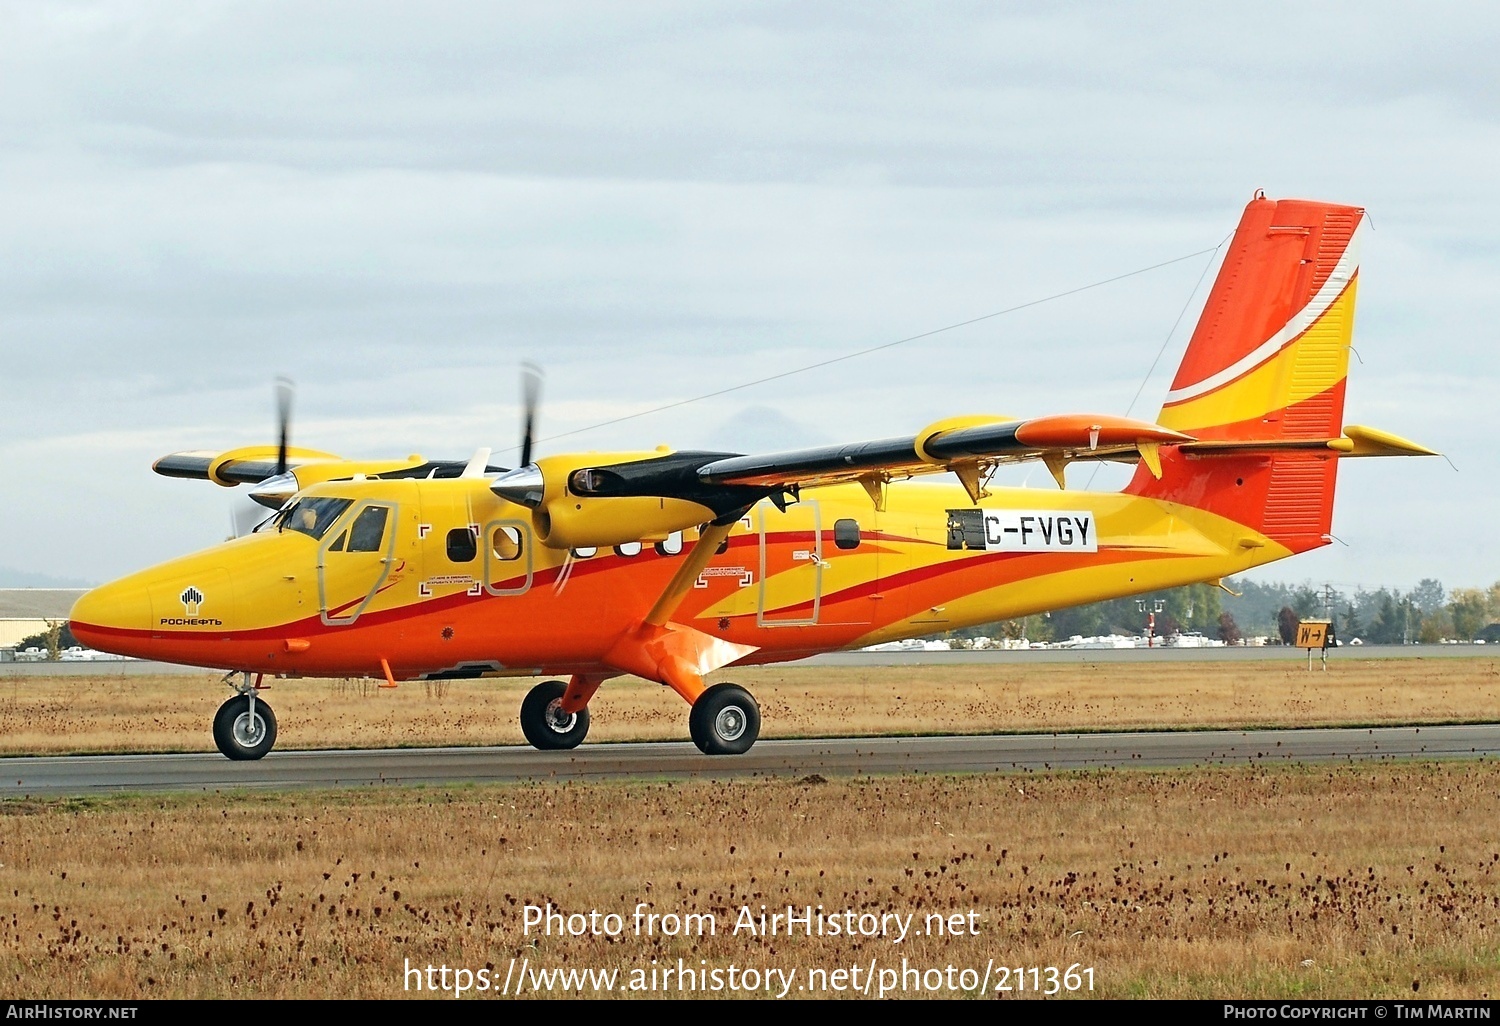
355 559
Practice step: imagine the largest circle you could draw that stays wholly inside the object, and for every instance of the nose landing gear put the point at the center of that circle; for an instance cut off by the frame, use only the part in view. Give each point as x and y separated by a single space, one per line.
244 726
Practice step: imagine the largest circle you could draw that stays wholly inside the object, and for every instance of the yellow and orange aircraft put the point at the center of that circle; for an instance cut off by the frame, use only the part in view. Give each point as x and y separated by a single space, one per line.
668 565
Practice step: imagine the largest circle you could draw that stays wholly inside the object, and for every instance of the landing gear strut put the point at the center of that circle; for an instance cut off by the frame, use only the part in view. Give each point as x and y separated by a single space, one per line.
544 722
724 721
244 726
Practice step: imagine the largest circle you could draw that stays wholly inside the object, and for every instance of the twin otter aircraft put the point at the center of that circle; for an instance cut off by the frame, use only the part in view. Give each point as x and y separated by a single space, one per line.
669 565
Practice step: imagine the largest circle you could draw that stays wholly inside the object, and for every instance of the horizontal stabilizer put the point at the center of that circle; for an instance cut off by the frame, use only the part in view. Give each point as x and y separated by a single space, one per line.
1370 441
1356 441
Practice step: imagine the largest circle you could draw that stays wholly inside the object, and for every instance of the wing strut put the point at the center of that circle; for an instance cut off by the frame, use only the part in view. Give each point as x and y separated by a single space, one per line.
670 653
677 588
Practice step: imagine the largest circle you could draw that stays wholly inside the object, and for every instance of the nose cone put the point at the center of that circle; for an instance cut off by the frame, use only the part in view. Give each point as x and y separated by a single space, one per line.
524 485
114 617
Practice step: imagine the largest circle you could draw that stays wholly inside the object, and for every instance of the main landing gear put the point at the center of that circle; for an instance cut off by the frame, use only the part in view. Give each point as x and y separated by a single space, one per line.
724 720
545 724
244 726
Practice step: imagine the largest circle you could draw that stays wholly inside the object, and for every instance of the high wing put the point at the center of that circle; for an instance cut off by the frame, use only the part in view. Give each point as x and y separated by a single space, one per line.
250 465
257 466
967 446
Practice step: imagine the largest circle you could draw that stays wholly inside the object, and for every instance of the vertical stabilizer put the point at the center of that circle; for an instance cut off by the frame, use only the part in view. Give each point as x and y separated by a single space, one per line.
1267 363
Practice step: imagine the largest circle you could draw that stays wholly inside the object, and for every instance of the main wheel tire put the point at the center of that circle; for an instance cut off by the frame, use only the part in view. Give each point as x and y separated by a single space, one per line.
544 723
241 735
725 720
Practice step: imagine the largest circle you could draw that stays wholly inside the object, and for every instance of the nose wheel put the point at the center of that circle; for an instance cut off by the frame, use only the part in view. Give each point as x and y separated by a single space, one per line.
724 720
544 722
244 728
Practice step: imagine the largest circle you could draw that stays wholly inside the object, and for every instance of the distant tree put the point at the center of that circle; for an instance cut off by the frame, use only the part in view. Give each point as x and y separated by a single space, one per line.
1435 627
1351 628
1428 596
1389 625
1196 607
1286 624
1229 631
1470 611
1307 601
1039 628
42 639
1167 625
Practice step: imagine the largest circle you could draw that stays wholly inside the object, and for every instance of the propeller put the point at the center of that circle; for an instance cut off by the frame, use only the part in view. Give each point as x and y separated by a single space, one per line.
274 490
245 515
531 393
524 484
284 392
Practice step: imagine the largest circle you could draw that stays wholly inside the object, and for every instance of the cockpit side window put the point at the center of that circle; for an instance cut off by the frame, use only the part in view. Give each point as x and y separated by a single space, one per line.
312 516
368 528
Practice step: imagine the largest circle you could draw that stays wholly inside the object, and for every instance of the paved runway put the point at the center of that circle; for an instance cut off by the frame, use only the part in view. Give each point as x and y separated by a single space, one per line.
81 775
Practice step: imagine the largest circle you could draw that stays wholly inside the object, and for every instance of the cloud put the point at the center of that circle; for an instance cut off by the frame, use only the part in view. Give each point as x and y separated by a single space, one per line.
396 205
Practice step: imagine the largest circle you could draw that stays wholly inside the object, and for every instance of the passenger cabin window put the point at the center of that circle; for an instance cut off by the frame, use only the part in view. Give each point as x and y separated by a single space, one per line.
585 551
846 533
671 545
368 528
505 542
628 549
462 547
312 516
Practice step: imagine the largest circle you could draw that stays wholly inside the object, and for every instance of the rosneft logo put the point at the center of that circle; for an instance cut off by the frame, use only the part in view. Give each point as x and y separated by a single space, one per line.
191 599
192 604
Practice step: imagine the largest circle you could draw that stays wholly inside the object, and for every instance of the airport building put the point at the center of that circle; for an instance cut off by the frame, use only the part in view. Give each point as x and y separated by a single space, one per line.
28 611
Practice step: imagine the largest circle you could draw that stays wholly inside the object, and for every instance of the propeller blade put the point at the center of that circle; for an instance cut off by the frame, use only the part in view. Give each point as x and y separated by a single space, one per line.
531 392
245 515
284 390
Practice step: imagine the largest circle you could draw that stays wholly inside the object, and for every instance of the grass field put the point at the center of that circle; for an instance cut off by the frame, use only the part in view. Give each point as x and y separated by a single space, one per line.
1365 881
1356 881
173 713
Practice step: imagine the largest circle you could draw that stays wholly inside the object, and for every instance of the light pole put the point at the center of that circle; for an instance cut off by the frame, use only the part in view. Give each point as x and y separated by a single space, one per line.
1157 605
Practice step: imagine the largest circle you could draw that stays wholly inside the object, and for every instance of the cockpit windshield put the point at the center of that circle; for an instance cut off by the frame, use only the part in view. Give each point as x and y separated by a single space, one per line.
312 516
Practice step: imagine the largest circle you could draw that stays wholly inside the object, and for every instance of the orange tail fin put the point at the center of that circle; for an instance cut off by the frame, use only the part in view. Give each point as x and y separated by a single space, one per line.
1267 363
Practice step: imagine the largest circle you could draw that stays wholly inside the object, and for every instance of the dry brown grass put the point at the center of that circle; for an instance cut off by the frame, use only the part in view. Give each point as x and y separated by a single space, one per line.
173 713
1254 882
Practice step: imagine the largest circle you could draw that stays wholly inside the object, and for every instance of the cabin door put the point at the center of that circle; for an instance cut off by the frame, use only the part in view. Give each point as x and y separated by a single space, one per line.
791 565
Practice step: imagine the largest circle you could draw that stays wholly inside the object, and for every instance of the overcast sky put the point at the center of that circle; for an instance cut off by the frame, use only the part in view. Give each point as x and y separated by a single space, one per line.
396 204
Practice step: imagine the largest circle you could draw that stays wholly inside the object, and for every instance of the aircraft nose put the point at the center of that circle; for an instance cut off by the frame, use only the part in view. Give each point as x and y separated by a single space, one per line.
113 617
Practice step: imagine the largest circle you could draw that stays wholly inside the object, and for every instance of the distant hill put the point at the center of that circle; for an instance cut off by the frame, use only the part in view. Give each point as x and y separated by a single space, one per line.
758 429
12 578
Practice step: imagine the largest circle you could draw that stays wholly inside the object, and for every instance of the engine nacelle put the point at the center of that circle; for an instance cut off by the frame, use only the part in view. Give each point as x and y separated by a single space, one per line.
576 501
584 522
